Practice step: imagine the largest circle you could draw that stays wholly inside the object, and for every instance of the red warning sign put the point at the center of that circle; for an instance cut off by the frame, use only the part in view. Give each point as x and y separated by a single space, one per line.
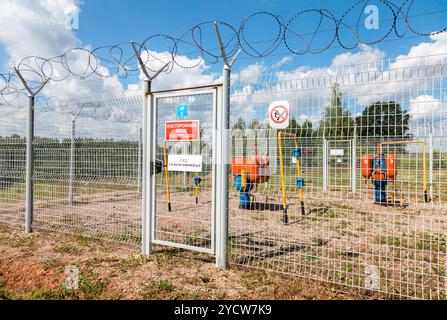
182 130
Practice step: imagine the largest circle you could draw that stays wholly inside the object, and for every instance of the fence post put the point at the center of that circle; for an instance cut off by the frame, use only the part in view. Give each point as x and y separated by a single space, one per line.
223 127
29 211
72 162
139 164
354 164
222 174
430 165
29 214
146 243
148 161
325 145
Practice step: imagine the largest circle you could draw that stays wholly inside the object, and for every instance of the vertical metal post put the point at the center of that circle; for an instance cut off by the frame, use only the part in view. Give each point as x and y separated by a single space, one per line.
430 165
223 126
29 211
325 171
139 165
148 201
29 214
354 164
72 162
185 151
146 236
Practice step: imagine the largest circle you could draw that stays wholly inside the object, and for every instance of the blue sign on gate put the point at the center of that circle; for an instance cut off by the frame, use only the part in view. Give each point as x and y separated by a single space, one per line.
182 110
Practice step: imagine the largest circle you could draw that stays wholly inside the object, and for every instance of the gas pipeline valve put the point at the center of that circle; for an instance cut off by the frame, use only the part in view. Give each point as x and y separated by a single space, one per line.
381 169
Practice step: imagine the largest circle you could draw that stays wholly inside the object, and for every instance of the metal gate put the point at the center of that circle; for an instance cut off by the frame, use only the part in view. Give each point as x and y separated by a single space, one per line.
184 214
339 163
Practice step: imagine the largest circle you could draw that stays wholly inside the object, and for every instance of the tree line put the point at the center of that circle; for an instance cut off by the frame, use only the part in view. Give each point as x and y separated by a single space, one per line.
380 120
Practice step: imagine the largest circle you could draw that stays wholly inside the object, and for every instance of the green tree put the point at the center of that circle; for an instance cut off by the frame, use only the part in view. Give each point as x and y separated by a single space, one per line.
337 122
254 124
240 124
307 129
293 127
383 119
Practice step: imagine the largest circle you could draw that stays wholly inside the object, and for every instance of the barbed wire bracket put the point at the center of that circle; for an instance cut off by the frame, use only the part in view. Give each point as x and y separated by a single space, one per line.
143 66
222 48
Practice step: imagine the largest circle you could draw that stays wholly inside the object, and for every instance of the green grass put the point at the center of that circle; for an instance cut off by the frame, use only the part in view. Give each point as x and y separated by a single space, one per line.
67 248
205 278
424 241
27 244
257 277
91 286
318 241
85 241
157 289
59 190
130 263
13 194
45 294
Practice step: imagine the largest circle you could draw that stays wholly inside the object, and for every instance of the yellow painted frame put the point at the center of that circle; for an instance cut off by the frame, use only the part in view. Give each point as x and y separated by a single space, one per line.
282 172
168 192
196 190
424 159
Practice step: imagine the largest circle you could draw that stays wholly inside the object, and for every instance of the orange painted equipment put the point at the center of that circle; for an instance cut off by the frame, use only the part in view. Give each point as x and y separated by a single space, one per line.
391 171
256 168
367 165
379 176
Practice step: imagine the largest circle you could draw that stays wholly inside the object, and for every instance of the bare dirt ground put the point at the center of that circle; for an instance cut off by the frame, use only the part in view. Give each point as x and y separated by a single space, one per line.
32 267
341 237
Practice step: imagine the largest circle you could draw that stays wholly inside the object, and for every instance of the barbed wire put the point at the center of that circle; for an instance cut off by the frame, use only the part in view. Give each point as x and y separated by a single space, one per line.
121 61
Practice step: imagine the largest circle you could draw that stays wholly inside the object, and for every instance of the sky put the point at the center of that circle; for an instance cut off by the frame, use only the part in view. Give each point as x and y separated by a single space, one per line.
105 22
121 21
36 28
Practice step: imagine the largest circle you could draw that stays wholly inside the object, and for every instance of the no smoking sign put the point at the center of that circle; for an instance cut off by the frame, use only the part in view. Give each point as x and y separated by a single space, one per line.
279 114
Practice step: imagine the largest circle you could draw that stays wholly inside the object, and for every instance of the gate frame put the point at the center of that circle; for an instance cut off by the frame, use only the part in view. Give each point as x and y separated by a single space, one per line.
149 177
353 163
181 93
222 153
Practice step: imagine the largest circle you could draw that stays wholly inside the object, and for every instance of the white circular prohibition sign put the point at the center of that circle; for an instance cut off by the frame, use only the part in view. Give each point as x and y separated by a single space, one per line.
279 114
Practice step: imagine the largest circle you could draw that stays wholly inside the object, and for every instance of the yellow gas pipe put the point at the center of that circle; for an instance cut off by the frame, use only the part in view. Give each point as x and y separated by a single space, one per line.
168 193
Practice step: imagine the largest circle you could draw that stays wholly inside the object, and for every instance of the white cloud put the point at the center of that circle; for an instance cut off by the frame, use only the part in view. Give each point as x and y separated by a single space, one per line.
367 54
38 28
424 106
363 79
435 49
30 27
177 77
285 60
252 72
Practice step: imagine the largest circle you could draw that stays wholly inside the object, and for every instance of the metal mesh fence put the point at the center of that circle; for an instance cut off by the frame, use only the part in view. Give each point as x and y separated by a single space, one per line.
352 192
354 189
87 177
12 166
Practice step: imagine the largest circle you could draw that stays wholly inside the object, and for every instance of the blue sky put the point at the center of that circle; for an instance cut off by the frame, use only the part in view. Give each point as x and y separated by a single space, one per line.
35 27
30 27
104 22
114 21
